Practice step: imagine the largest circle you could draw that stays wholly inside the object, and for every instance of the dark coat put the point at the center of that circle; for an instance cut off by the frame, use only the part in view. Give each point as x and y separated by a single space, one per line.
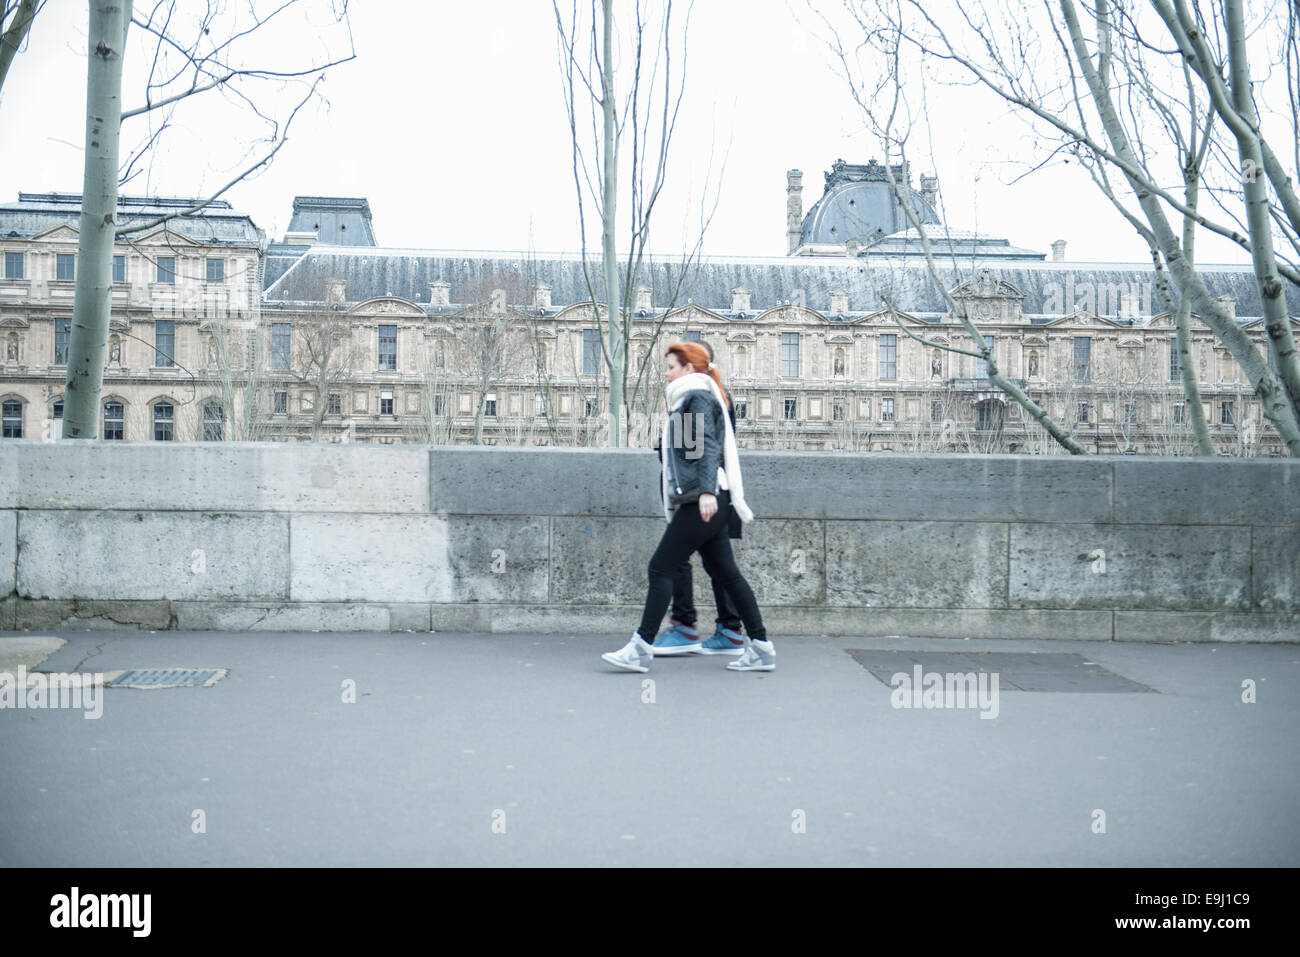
698 471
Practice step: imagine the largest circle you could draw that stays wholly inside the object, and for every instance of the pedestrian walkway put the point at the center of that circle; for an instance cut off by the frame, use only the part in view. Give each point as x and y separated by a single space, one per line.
526 749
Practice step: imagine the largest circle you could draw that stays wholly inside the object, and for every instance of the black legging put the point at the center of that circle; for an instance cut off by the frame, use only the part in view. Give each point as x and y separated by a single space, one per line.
684 598
687 533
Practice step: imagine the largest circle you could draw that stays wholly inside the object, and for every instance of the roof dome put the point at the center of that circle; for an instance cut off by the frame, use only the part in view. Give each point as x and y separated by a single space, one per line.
859 203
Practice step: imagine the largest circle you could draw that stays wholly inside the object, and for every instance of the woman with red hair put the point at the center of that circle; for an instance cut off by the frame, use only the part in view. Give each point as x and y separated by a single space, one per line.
701 483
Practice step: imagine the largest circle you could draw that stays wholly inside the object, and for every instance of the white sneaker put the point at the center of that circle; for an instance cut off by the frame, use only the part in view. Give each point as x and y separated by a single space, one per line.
636 655
757 656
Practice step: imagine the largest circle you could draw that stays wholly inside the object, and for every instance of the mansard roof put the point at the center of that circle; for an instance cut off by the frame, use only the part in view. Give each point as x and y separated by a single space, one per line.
216 223
1050 289
944 242
337 220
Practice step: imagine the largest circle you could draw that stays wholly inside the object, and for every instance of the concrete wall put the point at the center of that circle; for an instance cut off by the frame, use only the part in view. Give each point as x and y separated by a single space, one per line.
280 537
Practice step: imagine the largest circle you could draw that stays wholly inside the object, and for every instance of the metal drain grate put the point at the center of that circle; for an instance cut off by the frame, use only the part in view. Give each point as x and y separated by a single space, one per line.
165 678
1017 670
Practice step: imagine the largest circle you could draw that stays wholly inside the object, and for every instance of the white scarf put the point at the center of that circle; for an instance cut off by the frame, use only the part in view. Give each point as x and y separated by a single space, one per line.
675 390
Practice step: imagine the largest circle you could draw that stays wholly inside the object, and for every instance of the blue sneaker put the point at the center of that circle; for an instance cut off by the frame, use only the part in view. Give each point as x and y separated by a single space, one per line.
724 642
677 639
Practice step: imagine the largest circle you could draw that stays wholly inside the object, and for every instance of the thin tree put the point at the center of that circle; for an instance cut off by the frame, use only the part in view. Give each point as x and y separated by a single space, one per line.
631 131
195 51
16 18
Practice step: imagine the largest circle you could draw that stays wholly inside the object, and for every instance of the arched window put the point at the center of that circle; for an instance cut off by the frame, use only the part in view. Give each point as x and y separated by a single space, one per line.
164 421
11 419
114 419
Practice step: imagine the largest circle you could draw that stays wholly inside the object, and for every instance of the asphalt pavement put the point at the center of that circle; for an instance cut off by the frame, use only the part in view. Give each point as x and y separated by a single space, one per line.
428 749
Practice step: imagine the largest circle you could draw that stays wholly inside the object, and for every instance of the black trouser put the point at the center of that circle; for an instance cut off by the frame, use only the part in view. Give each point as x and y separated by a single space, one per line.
684 597
688 533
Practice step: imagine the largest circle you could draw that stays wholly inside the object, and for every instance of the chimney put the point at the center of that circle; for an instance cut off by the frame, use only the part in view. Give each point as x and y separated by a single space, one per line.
740 300
1229 304
793 209
497 302
1128 305
542 296
839 302
930 190
1058 251
799 298
643 299
334 291
440 294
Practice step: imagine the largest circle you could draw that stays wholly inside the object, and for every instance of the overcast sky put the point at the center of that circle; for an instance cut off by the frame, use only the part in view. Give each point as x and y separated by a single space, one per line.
451 122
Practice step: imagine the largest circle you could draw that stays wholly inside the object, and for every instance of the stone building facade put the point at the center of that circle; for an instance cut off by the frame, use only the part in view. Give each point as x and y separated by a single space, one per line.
489 366
327 336
503 348
185 300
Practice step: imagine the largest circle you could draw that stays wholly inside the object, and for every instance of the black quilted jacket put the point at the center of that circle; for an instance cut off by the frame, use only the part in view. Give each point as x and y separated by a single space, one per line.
695 439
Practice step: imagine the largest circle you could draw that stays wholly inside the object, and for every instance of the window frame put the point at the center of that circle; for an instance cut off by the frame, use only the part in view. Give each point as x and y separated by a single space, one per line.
281 331
209 422
118 420
15 416
169 421
1082 372
888 357
62 328
790 355
164 360
387 348
591 352
982 364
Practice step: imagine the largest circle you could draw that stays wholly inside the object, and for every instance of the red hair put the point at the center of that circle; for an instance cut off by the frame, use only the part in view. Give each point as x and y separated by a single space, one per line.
697 356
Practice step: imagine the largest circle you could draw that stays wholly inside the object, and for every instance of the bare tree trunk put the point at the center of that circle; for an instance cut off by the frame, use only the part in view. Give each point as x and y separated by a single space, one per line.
109 20
1257 209
1183 324
609 255
13 35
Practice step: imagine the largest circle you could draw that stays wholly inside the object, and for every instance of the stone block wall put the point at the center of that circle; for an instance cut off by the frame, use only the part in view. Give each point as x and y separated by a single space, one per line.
298 537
